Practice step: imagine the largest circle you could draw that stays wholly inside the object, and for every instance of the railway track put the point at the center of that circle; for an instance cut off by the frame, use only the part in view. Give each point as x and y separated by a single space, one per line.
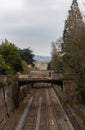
32 121
44 117
61 117
45 112
52 123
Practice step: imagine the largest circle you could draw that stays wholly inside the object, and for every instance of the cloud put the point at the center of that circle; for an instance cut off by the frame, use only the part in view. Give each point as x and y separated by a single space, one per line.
10 5
33 23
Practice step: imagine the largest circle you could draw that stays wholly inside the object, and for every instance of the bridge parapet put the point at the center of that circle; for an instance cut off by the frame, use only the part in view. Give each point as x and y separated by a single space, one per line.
28 77
57 76
47 75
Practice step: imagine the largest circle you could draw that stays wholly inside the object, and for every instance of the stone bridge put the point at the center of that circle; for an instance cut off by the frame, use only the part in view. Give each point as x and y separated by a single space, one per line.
66 81
41 76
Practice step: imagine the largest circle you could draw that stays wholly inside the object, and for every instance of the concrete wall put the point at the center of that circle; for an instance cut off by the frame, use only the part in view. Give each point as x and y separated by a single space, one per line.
7 104
9 98
2 106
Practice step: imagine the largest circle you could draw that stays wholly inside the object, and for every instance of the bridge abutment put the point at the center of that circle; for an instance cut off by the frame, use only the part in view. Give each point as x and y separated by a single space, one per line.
69 91
66 81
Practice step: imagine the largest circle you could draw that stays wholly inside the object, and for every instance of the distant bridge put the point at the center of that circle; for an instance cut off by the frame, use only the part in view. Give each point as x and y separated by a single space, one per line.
44 77
66 81
40 76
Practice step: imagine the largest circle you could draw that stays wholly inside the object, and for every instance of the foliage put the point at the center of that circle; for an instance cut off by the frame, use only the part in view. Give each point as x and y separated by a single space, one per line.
74 40
73 46
26 67
57 61
70 56
10 57
4 68
54 57
27 55
2 64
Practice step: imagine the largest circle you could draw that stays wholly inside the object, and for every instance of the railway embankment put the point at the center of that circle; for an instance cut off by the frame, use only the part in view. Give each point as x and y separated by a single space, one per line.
9 98
75 113
41 111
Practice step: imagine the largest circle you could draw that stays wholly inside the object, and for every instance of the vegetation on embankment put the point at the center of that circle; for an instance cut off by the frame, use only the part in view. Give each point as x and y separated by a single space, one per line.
74 111
68 52
13 59
10 98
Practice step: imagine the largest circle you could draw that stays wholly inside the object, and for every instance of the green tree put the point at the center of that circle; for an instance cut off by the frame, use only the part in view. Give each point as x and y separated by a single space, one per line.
27 55
4 68
2 65
57 61
26 67
11 55
54 54
74 46
73 40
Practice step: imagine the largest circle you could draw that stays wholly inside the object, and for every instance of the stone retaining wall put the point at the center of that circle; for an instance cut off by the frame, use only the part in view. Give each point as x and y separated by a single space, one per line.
2 106
7 99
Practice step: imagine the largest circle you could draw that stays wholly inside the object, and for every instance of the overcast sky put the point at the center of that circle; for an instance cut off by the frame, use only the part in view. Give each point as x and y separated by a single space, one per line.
33 23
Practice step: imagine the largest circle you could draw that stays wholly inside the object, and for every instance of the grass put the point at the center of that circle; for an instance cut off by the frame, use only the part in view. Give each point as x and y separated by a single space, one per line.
59 89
